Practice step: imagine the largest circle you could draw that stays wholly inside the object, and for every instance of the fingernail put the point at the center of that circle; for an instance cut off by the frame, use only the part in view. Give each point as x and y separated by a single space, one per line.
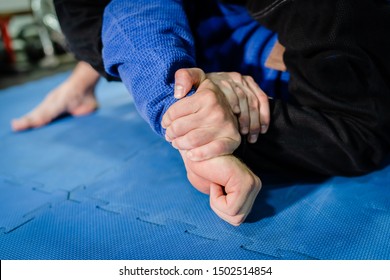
236 109
253 138
178 91
244 130
264 129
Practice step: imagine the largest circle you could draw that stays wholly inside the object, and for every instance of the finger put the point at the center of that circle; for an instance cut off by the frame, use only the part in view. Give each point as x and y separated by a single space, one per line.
254 117
233 207
180 109
265 115
194 139
227 88
243 119
183 125
217 197
218 204
236 77
233 220
187 78
264 103
219 147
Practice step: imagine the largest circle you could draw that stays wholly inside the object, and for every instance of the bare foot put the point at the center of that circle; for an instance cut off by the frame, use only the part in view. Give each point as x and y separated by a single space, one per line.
76 96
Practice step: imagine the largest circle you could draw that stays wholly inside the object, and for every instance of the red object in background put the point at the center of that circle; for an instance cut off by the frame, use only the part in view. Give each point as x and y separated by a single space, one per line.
4 21
5 18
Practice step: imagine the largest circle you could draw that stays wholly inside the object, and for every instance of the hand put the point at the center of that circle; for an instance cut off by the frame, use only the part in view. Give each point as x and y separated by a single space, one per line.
233 188
247 100
202 124
245 97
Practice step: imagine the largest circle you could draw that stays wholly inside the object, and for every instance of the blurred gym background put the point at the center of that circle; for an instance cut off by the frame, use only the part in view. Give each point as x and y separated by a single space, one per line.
31 43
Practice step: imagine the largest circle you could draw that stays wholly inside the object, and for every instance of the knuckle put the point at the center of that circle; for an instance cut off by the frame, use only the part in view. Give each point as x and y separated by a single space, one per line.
263 98
257 183
225 84
254 184
220 148
236 76
243 119
237 220
254 105
210 96
175 144
199 153
192 140
251 187
249 79
174 129
168 133
240 93
232 210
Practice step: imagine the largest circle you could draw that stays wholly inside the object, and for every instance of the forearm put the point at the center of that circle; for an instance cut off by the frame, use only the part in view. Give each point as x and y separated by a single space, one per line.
144 44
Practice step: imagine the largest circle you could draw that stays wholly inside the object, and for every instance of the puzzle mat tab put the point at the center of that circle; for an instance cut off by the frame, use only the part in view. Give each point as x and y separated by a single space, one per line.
72 230
105 187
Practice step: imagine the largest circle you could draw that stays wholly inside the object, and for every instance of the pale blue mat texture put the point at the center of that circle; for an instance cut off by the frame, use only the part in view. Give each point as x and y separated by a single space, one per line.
104 186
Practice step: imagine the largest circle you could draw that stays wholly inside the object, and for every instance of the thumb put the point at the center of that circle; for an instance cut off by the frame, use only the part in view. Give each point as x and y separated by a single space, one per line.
185 79
217 197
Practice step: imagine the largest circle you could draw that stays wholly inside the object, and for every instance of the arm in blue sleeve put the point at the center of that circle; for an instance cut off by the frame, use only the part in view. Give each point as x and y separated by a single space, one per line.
144 43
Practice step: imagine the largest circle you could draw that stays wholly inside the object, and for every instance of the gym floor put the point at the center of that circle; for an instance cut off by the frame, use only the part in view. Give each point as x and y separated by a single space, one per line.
104 186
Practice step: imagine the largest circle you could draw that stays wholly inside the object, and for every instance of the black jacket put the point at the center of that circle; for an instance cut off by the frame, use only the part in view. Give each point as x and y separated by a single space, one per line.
338 55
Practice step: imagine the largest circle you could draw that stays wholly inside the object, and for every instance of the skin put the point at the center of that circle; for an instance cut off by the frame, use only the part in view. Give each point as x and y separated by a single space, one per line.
232 187
247 101
75 96
205 129
202 125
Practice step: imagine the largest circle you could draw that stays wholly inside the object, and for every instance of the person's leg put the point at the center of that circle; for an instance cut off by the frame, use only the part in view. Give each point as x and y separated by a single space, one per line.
75 96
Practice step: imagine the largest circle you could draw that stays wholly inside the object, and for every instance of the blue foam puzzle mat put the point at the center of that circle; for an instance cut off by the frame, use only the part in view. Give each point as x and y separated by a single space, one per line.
104 186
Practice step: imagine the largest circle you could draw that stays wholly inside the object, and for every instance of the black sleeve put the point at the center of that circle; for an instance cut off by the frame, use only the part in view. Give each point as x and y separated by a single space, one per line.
81 23
338 55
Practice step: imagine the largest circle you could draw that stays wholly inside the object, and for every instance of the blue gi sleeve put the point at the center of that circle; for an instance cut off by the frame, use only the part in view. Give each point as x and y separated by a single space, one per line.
144 43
